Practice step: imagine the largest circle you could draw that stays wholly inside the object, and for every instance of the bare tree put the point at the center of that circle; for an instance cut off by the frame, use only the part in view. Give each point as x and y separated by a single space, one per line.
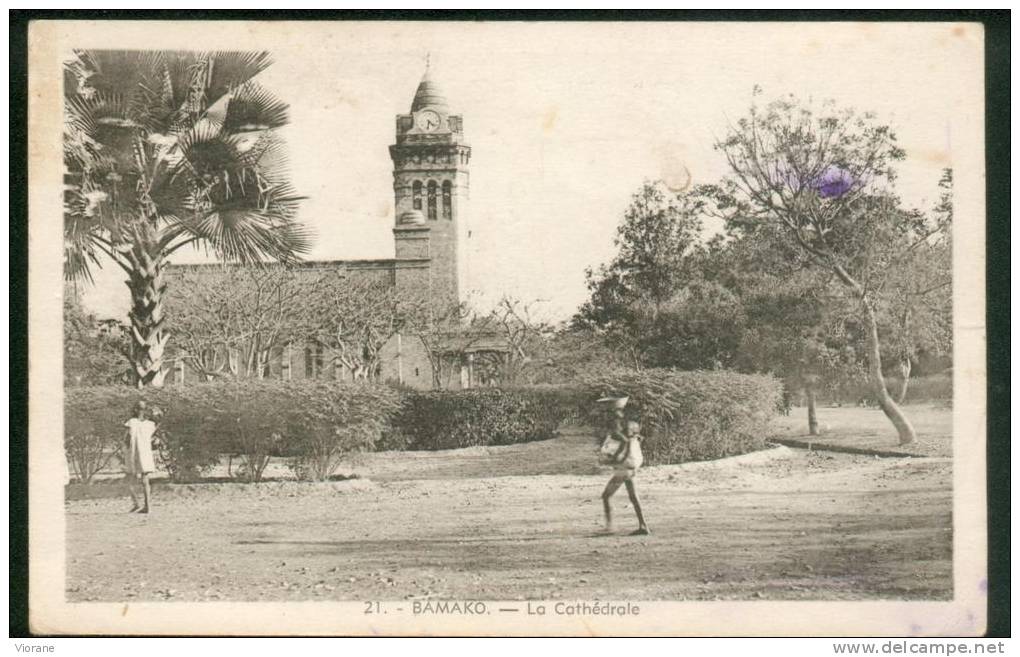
231 319
355 317
516 322
447 333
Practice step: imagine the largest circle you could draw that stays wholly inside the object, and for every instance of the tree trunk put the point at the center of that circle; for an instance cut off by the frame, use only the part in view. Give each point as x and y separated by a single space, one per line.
812 415
148 338
885 401
262 363
905 367
882 396
251 360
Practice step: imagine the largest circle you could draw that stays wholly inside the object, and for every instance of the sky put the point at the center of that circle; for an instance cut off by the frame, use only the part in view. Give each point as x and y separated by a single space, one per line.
565 122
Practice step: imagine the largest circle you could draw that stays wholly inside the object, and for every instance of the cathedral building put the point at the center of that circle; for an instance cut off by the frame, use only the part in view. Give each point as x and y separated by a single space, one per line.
431 185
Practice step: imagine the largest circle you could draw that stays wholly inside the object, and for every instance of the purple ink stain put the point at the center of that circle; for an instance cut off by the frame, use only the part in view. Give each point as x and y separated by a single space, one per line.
983 586
832 183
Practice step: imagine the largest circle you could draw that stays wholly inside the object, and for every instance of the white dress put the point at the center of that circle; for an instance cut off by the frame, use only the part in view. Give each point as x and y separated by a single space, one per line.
138 459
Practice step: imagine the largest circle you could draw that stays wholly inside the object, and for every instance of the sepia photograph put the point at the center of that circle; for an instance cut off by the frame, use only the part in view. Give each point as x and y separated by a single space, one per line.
507 328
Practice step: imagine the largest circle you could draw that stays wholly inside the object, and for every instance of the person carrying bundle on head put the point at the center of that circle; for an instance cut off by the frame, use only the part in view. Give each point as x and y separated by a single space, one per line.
621 448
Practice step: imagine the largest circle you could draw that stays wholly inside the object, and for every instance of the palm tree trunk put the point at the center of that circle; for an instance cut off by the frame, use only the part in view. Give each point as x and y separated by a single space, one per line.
148 337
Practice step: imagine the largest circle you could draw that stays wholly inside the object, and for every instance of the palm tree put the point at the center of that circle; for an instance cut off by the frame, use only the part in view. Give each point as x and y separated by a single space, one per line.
164 150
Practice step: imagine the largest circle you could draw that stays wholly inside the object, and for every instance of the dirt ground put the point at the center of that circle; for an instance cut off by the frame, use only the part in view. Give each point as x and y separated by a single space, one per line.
522 522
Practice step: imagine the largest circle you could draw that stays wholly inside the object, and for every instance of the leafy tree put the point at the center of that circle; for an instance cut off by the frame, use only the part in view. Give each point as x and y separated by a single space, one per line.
792 332
822 179
915 310
790 324
698 328
659 250
657 243
168 149
570 353
93 354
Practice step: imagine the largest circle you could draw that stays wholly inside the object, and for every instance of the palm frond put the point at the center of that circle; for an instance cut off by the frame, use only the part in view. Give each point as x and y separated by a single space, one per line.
172 193
252 108
282 202
157 104
231 69
240 233
88 113
268 153
80 232
79 261
117 72
184 142
252 225
205 151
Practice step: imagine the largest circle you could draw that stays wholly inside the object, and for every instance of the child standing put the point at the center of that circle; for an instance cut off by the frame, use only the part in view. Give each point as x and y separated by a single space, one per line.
625 461
138 461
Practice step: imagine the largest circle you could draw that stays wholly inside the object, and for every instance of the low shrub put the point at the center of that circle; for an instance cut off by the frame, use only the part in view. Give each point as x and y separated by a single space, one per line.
328 421
246 419
478 417
692 416
94 420
188 441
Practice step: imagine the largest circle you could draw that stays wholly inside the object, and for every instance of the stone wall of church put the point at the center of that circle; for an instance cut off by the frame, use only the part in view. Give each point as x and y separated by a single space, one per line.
405 361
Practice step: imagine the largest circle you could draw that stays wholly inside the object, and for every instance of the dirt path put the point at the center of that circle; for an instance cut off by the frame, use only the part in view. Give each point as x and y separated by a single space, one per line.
788 524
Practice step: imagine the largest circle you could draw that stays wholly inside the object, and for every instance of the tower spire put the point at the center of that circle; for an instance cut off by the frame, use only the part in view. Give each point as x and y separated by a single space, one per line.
428 94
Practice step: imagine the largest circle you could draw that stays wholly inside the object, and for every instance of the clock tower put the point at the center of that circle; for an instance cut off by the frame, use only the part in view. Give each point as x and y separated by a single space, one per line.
430 187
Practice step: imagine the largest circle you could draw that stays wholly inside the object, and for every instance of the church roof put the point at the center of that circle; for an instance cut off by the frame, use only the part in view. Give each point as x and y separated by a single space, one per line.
428 94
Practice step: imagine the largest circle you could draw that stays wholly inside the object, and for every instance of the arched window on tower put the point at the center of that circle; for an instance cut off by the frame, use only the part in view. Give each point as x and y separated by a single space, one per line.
432 200
416 194
447 200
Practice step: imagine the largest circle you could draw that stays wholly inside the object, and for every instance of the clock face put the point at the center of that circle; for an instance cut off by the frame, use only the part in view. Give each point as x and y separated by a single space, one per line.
428 121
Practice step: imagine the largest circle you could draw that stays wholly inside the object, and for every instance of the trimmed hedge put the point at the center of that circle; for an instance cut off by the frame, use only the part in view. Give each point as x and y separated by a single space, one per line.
692 416
447 419
686 416
313 423
316 423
